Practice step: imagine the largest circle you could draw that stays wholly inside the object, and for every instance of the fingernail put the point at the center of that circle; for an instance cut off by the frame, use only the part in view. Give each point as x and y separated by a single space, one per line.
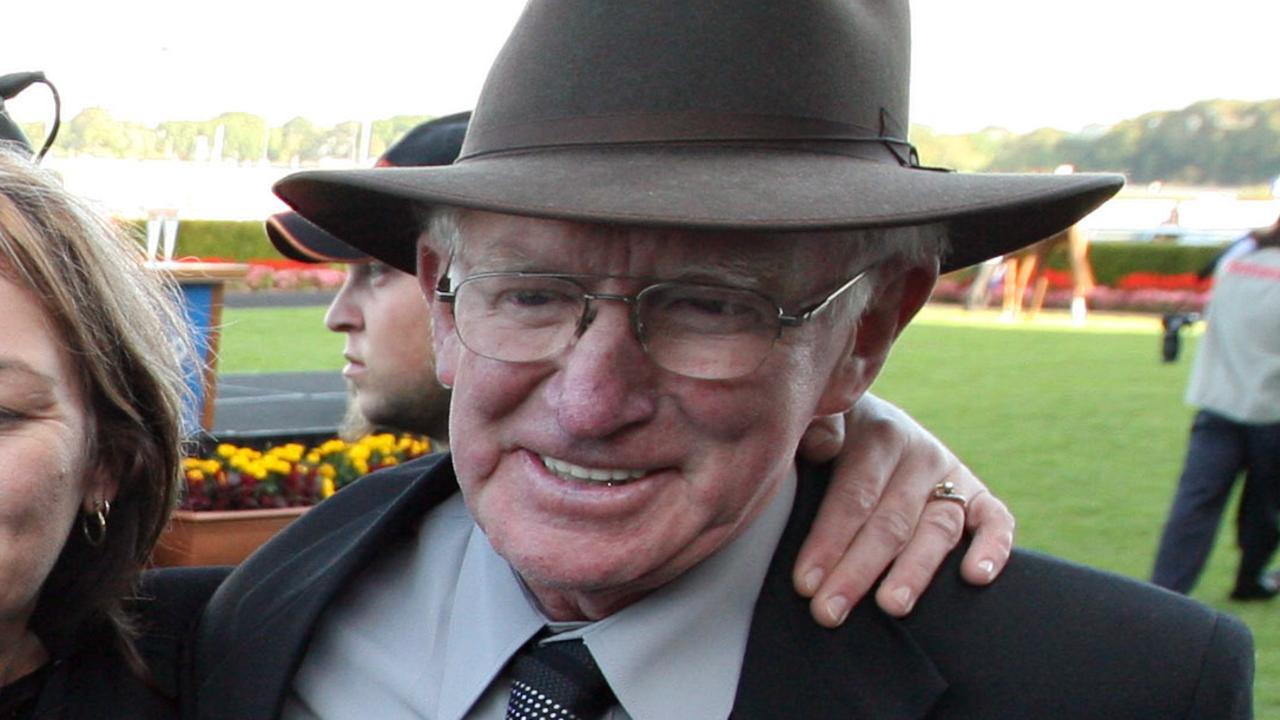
903 597
987 567
813 579
837 608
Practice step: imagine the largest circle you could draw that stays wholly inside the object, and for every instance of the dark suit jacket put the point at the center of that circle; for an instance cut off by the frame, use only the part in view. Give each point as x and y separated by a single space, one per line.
94 682
1047 640
91 680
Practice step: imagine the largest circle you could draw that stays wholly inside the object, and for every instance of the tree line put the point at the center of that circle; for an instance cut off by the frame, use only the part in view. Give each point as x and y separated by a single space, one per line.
1225 143
234 136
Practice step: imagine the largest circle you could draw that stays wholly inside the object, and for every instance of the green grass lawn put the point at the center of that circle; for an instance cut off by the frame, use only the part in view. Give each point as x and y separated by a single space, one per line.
1081 431
277 340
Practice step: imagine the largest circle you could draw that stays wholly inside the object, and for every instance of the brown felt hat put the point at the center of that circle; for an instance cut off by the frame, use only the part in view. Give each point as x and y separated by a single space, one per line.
770 115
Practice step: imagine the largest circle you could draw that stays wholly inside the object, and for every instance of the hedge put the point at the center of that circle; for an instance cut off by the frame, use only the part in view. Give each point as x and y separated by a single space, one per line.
1113 260
239 240
247 240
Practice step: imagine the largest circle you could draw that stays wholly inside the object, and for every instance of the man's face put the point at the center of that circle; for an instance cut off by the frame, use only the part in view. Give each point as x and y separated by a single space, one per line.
710 454
389 362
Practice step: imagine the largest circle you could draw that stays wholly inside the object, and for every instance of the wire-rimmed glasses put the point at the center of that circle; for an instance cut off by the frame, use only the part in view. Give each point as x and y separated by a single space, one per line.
705 331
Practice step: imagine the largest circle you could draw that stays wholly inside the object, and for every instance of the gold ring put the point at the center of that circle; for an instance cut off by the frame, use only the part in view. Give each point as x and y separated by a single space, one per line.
947 491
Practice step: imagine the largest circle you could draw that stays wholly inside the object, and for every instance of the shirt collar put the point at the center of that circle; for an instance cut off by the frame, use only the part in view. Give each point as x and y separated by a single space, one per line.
492 619
676 653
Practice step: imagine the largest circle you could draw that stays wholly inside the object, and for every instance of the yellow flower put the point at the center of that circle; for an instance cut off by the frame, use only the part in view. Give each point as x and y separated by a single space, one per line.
331 464
292 452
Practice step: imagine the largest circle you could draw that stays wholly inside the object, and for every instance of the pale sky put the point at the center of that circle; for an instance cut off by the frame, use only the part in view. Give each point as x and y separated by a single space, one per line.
1019 64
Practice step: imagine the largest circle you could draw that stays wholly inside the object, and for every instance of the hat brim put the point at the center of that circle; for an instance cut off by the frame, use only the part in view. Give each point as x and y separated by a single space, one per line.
699 187
297 239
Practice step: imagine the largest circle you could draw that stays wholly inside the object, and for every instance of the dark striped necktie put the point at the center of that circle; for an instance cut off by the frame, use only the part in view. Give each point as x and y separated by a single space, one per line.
557 681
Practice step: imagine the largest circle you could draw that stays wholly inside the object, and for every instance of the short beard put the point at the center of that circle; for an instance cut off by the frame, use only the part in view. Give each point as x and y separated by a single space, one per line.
354 424
408 413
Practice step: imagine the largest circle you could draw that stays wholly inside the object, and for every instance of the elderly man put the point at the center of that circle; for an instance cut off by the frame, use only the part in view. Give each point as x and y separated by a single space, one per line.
678 232
391 377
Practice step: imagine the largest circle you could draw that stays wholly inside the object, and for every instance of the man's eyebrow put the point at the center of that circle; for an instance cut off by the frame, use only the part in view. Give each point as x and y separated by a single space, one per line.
738 274
503 257
767 272
738 268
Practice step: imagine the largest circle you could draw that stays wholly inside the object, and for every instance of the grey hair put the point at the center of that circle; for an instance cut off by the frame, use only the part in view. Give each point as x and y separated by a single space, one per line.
881 251
443 227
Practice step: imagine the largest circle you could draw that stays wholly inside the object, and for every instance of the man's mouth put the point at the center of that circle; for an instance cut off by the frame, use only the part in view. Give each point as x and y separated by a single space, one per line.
354 366
602 476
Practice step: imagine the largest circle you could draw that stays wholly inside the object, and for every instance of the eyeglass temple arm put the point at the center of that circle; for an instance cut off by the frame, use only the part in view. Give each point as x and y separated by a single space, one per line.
443 293
803 316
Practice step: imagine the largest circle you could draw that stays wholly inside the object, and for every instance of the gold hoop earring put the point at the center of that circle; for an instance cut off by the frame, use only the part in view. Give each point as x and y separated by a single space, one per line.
94 524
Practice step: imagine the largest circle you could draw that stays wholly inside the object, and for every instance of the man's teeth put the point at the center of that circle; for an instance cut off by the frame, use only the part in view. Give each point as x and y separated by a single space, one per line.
607 476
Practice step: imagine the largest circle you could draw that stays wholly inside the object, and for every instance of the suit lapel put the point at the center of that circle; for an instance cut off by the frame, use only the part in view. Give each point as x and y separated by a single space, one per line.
793 668
869 668
276 614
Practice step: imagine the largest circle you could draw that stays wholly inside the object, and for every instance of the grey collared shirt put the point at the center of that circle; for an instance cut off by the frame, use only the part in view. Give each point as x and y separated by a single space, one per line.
1236 371
429 628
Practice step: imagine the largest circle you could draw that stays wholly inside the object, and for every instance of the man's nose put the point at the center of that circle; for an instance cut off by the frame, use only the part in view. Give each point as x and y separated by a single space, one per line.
343 315
605 379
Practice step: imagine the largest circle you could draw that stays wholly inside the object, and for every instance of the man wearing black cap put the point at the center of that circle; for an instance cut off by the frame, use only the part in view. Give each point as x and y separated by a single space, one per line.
678 231
390 372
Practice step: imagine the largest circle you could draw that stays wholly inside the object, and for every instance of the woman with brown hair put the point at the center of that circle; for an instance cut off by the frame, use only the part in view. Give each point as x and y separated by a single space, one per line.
91 398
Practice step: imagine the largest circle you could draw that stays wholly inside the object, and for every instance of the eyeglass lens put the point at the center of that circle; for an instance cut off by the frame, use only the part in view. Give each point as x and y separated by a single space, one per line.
699 331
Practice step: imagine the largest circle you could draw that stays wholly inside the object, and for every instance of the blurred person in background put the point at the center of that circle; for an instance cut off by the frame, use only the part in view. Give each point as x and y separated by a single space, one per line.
392 384
1235 386
381 310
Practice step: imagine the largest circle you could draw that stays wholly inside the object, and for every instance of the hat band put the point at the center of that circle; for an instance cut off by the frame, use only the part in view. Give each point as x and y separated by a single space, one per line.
681 128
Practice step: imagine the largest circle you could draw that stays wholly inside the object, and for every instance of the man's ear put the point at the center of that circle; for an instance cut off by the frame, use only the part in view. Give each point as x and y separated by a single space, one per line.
444 339
900 295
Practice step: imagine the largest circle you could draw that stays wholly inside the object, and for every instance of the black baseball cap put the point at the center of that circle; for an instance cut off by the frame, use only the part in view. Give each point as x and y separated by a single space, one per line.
435 142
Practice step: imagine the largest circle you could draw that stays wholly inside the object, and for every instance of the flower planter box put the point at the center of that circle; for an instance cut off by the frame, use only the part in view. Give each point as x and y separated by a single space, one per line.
219 537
